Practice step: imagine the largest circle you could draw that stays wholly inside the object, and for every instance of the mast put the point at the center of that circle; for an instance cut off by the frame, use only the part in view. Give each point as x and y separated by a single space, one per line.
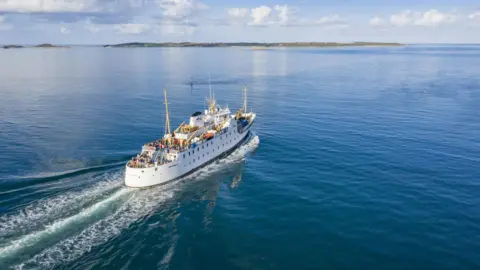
244 99
167 119
210 86
211 102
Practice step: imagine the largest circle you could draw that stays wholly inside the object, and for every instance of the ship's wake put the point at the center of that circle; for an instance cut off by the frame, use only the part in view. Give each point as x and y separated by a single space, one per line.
61 229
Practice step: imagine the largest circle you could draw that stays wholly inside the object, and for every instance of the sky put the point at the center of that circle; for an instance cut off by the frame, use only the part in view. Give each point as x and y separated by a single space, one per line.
117 21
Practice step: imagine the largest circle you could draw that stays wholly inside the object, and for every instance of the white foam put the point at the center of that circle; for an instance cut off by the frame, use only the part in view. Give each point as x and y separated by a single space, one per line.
240 153
139 205
142 203
34 238
168 256
46 210
62 173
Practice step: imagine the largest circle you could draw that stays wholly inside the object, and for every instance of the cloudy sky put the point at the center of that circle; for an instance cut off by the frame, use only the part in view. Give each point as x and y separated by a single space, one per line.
115 21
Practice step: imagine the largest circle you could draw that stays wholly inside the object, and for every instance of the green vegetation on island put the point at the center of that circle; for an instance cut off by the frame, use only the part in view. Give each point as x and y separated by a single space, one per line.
251 44
47 45
12 47
44 45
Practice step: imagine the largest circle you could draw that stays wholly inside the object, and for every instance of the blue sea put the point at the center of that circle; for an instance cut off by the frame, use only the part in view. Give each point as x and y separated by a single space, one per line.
360 158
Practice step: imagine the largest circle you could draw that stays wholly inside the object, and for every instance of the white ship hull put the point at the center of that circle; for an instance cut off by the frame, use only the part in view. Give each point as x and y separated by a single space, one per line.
190 160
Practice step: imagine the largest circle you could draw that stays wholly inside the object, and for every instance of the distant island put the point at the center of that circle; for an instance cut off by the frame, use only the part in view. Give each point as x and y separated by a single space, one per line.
252 45
12 47
44 45
47 45
255 45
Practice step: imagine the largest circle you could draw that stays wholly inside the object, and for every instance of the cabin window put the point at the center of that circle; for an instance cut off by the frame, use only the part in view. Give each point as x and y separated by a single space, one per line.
198 158
189 153
183 155
203 147
193 152
203 155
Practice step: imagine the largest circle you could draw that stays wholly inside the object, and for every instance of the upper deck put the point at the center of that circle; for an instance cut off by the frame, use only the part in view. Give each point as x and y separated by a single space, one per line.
201 128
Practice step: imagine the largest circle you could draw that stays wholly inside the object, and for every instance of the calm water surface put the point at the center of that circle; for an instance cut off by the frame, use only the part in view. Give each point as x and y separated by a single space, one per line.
361 158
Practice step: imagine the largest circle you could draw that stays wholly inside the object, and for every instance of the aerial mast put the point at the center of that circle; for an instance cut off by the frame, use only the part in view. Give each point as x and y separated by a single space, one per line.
245 99
211 102
167 119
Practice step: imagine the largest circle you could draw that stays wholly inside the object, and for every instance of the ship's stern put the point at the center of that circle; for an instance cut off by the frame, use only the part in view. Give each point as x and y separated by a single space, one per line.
139 177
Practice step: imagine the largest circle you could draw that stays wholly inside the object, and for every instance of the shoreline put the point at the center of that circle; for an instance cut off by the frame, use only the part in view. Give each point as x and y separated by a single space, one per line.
252 45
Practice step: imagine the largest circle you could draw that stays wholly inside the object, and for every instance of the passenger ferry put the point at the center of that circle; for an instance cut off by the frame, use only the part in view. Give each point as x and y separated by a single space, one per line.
206 137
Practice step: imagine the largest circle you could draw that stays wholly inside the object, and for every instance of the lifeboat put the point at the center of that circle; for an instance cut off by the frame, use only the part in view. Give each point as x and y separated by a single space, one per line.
208 136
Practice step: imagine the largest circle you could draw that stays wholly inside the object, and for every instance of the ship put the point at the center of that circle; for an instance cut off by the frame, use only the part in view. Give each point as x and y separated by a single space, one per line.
207 136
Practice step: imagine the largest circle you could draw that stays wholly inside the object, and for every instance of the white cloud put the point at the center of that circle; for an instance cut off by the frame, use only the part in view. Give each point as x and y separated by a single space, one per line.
283 13
64 30
402 19
4 26
91 26
376 21
475 15
431 17
131 28
280 15
331 21
48 5
260 15
180 9
237 12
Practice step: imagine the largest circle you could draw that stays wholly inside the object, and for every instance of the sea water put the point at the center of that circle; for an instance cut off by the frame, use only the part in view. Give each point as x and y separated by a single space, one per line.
360 158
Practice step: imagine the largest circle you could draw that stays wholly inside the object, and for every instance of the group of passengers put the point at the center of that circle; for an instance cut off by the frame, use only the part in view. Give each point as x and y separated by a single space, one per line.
141 161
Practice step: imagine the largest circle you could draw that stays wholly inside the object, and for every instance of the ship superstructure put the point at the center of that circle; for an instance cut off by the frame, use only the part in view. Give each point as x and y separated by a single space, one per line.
207 136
